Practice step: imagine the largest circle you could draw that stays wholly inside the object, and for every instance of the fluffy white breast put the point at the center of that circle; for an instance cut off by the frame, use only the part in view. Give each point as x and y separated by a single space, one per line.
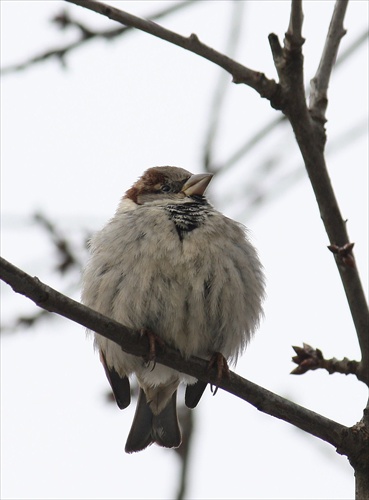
201 293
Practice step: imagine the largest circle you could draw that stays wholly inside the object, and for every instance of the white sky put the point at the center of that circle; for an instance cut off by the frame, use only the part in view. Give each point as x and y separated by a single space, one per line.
72 142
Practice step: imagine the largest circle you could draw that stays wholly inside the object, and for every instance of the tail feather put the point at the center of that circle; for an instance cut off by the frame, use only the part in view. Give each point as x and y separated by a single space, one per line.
165 428
139 436
148 428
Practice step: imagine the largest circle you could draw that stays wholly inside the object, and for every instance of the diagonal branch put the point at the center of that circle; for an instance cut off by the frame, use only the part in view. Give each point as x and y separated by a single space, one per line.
241 74
87 34
265 130
319 84
310 136
264 400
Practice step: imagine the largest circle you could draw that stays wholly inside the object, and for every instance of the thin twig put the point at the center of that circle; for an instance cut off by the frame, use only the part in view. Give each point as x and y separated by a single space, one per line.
334 433
253 141
320 82
265 130
222 86
87 34
308 358
241 74
257 197
66 256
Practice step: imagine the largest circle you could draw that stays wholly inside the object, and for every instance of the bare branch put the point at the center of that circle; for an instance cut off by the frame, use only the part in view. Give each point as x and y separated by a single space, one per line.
354 45
319 84
362 481
241 74
130 341
288 61
66 256
307 358
361 469
222 86
294 39
311 137
64 20
258 196
253 141
265 130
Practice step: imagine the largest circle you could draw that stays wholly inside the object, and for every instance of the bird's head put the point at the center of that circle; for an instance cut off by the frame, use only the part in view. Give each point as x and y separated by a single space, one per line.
164 185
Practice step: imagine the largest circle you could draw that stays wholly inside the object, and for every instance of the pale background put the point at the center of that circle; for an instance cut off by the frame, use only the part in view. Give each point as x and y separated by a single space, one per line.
72 142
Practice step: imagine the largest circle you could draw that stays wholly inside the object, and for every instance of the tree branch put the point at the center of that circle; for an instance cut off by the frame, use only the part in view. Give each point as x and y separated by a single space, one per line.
221 87
293 39
307 358
265 130
289 95
288 61
320 82
87 34
130 341
241 74
66 256
337 233
310 136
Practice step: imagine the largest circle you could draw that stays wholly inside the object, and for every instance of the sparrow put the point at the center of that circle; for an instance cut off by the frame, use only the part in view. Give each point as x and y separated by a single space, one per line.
171 266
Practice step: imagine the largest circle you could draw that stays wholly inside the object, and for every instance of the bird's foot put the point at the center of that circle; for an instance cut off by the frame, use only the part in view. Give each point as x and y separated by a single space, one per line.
154 340
218 362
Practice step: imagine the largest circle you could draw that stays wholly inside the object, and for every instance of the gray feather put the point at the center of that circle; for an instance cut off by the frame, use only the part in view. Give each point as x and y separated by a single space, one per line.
148 428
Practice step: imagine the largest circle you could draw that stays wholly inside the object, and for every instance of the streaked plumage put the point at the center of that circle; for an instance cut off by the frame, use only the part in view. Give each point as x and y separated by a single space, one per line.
171 264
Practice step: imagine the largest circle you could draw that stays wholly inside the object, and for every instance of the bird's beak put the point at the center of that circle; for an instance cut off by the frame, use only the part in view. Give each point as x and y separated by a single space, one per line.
196 184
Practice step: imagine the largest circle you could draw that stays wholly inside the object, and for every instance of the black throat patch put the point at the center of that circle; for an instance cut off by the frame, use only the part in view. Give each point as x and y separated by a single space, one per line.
187 216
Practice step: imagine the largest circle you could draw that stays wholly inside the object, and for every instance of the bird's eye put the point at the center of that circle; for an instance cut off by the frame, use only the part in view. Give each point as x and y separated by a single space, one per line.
165 188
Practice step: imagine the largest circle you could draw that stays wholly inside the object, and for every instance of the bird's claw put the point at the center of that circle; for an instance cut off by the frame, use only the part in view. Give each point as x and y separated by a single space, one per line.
219 362
154 340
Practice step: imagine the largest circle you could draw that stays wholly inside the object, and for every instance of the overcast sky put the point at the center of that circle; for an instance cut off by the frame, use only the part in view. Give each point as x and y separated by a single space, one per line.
73 139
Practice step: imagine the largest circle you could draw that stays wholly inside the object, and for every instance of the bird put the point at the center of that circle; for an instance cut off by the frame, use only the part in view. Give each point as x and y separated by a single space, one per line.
169 265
